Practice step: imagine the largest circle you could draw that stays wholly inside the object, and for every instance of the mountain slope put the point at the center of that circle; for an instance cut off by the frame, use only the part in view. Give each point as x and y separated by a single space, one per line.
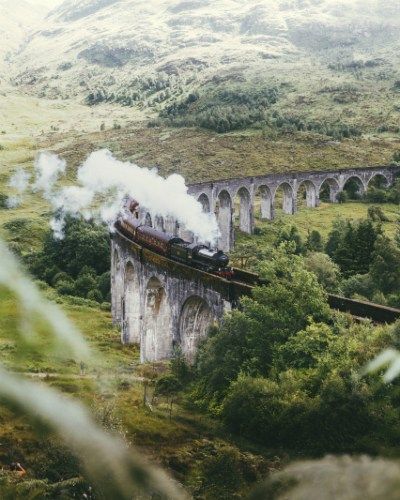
106 39
325 67
18 19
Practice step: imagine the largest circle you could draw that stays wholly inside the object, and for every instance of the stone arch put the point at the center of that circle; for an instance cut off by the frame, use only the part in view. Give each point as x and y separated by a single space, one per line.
205 202
354 186
309 190
195 320
131 308
286 190
223 213
329 190
171 226
244 210
148 221
264 203
378 179
117 285
156 343
159 223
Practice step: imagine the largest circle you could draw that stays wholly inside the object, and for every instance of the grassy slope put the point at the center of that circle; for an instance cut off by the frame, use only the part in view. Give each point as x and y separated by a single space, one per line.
200 155
183 443
321 218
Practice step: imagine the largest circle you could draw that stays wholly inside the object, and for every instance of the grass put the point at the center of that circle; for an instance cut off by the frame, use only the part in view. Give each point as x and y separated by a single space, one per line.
111 386
322 217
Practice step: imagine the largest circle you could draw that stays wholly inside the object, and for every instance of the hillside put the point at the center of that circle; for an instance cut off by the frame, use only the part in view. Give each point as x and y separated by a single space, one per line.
304 77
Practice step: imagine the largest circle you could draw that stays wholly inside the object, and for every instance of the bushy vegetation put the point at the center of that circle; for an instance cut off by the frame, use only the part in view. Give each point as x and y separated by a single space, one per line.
239 108
222 110
78 264
283 369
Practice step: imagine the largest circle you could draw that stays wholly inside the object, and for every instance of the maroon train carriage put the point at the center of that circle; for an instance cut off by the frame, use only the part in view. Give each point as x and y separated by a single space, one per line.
191 254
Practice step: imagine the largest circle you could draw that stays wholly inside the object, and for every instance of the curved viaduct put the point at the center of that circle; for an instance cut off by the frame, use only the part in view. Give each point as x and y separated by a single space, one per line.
236 200
162 305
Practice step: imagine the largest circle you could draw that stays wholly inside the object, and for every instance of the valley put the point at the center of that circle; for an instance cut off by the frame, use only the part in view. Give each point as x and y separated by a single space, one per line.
209 90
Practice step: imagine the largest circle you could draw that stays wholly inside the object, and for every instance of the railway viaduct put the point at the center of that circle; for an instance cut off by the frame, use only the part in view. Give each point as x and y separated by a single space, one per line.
236 200
162 305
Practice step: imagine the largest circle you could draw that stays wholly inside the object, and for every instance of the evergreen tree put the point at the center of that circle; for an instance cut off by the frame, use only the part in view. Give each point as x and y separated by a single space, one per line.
291 236
351 245
385 266
314 242
335 236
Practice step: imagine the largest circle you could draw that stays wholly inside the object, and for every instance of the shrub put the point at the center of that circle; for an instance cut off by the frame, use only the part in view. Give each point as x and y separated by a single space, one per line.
376 214
3 200
375 195
326 271
84 284
65 287
95 295
62 276
360 284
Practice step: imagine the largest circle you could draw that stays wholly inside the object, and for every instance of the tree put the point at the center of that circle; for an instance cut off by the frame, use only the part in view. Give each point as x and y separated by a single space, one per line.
168 386
291 235
326 271
247 339
350 245
334 238
247 254
385 266
314 241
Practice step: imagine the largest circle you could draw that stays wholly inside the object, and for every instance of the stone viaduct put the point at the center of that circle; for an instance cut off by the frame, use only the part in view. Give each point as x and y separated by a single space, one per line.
161 304
238 200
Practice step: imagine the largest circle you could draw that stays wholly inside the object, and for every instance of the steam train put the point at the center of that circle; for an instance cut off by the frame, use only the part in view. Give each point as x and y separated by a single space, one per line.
172 247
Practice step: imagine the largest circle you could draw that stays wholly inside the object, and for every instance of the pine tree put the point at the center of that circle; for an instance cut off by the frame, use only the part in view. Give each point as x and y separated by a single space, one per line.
314 242
385 266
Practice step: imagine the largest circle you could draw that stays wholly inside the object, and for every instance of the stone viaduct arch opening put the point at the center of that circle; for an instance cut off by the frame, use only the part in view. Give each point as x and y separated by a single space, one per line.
354 188
159 223
195 320
243 216
378 181
156 340
329 190
205 203
284 198
171 226
131 317
148 220
224 217
263 208
307 195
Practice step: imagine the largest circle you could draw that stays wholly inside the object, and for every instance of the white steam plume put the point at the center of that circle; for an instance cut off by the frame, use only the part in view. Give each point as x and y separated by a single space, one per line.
19 182
48 168
103 182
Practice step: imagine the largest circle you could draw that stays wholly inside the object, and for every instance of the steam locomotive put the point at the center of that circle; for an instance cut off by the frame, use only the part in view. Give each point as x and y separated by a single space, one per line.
173 247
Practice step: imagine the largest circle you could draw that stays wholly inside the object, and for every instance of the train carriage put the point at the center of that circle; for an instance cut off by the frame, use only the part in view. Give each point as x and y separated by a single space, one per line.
175 248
